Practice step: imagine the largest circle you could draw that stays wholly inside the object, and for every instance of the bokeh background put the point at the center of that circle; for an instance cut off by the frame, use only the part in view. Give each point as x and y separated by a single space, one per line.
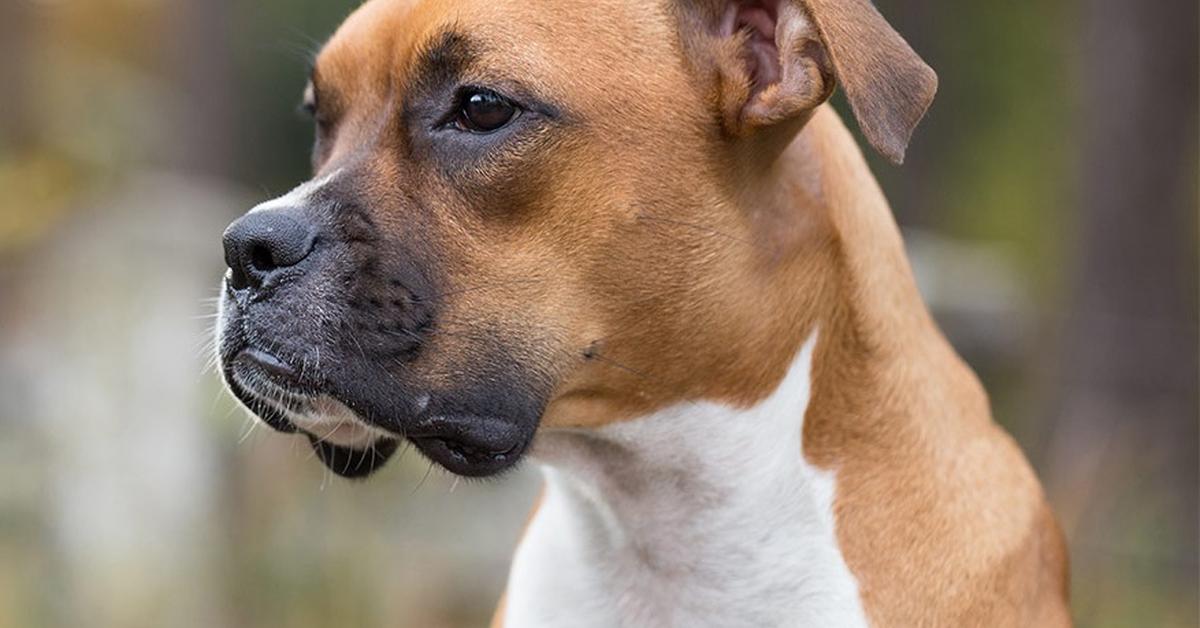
1050 204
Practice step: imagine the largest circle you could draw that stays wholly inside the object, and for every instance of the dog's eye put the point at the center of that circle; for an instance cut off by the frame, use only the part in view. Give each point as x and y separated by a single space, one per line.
308 102
484 111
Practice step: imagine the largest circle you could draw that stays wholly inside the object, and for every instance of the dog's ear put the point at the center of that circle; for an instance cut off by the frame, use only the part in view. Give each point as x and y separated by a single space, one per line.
778 60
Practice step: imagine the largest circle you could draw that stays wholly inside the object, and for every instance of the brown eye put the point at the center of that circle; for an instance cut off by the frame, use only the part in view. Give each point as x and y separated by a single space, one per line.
485 111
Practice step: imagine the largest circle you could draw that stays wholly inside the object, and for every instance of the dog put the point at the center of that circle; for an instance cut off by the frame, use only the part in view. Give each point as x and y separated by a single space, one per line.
633 242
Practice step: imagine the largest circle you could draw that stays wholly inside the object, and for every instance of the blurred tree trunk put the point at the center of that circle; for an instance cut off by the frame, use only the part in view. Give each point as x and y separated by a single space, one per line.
1127 389
202 62
15 125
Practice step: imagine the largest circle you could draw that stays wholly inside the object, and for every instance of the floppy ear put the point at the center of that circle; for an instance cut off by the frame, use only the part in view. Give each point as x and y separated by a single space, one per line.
779 59
889 87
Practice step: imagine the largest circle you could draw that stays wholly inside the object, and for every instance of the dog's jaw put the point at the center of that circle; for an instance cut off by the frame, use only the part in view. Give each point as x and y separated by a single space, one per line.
329 420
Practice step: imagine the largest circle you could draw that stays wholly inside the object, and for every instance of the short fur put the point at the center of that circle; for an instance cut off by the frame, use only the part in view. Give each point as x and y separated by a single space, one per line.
673 215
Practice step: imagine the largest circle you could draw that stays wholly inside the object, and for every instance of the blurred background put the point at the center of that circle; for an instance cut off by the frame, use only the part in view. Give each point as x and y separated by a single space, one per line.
1049 200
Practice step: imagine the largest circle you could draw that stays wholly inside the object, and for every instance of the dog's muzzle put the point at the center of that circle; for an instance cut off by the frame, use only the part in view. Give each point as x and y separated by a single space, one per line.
319 333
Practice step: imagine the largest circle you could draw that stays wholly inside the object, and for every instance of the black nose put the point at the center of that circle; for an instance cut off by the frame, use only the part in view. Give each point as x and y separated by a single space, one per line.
260 244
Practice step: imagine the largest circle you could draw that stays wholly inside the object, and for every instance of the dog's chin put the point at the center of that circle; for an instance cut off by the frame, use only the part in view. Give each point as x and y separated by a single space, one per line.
473 447
465 444
354 462
469 446
343 443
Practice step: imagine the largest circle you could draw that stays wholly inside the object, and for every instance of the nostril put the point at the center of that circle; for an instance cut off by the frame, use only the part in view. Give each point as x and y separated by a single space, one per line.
260 244
261 258
237 278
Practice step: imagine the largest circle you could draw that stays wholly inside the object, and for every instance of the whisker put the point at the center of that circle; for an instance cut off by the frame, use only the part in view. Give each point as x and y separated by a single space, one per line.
423 479
248 431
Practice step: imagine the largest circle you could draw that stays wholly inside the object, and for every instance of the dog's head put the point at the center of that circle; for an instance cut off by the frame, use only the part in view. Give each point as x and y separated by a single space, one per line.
535 212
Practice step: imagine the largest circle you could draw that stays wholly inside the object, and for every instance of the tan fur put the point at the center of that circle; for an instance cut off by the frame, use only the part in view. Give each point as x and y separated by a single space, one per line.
931 491
642 257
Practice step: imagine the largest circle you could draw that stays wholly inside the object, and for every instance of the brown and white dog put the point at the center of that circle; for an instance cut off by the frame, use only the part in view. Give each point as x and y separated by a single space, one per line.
630 239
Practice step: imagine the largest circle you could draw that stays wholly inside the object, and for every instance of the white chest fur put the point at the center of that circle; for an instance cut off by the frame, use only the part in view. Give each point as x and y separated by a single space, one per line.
699 515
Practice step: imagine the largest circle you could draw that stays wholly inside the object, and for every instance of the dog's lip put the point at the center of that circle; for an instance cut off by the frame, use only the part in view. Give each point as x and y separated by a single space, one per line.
268 412
267 363
265 384
469 445
255 368
354 463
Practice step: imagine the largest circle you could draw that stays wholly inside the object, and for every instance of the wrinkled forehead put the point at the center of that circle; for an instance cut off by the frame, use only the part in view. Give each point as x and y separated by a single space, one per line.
563 44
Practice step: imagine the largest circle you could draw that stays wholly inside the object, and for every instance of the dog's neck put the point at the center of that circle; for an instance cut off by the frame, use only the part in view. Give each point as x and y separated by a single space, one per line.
700 501
727 502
